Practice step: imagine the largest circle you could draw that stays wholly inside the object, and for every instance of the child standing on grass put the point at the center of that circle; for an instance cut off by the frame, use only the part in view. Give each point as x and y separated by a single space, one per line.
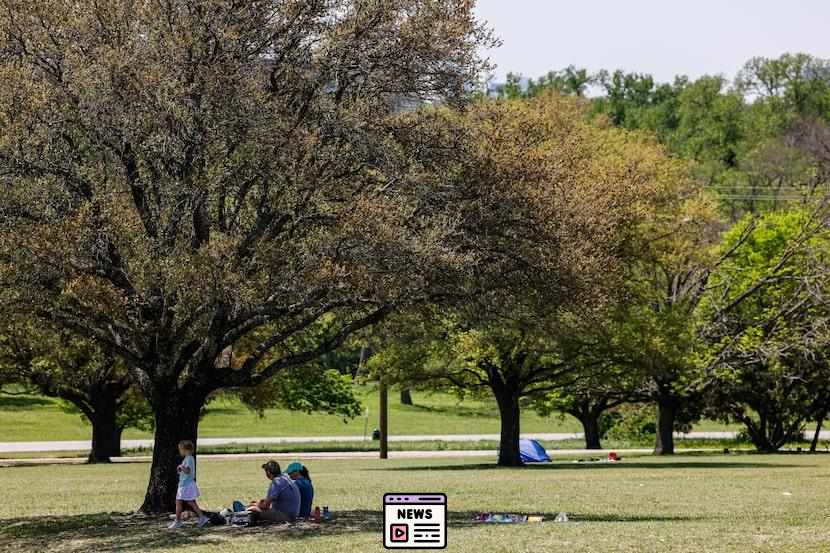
188 491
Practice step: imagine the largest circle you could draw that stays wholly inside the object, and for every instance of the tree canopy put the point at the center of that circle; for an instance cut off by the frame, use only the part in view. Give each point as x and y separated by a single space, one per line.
561 206
178 176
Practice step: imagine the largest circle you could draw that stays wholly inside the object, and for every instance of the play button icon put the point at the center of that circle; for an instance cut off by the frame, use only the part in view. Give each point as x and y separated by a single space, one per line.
399 532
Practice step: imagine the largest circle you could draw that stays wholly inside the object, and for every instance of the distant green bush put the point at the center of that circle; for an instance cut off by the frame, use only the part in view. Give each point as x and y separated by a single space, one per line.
632 422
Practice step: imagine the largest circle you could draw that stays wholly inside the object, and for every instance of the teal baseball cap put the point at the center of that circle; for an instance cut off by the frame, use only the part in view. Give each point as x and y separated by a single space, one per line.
294 467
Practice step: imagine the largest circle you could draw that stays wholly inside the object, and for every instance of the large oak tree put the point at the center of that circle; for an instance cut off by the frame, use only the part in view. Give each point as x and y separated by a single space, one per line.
181 176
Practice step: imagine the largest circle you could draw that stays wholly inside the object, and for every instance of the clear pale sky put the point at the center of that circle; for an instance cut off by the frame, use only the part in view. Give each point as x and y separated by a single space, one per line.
661 37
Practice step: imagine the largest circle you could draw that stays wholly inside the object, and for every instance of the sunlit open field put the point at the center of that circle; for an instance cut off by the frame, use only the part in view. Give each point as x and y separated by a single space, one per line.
736 503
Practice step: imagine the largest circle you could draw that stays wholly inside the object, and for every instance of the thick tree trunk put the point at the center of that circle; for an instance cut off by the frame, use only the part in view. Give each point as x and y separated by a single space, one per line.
817 434
763 443
590 427
666 415
177 419
406 397
771 433
588 413
758 433
99 403
106 437
509 455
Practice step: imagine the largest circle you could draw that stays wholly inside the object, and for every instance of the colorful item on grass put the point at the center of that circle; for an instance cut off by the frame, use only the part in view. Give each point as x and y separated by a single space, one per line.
507 518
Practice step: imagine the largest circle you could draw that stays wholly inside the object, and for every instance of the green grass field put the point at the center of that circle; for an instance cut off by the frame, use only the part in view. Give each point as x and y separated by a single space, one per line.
737 503
555 448
34 418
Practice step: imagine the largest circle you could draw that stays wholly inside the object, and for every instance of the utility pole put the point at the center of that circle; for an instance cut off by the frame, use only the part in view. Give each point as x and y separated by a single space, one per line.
383 411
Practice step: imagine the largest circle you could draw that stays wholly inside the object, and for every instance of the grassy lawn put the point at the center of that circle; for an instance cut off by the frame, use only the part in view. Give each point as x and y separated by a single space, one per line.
555 448
34 418
737 503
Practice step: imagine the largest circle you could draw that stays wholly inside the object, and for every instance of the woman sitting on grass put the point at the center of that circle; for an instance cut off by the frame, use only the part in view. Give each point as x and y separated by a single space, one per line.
299 474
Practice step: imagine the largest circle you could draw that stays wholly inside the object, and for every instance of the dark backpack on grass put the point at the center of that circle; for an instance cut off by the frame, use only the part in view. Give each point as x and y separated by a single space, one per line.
215 518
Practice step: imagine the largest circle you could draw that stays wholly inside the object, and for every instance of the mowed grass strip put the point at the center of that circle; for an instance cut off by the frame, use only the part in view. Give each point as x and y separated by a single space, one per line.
735 503
36 418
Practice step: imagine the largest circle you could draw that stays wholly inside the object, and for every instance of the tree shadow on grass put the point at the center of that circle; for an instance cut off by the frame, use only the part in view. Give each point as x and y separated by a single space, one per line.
136 533
228 411
94 532
597 466
456 410
22 403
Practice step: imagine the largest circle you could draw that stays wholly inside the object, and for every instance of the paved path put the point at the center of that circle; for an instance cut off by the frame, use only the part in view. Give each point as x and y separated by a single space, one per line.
84 445
490 455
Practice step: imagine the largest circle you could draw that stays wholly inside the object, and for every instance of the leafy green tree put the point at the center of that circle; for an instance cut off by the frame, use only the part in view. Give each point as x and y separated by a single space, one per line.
94 383
581 192
635 101
709 122
512 88
796 84
571 81
313 389
444 352
652 331
658 337
588 397
769 365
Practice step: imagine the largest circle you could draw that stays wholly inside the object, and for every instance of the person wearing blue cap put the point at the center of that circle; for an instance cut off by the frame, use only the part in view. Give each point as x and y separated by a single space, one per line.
299 474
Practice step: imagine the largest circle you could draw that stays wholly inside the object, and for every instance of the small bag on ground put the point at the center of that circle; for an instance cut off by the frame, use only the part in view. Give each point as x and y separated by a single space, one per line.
243 518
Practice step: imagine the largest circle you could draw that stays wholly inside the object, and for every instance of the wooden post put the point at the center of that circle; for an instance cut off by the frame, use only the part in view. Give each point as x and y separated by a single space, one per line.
384 417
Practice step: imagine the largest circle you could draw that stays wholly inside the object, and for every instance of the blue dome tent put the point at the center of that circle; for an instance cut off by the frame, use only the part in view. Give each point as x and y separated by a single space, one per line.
533 452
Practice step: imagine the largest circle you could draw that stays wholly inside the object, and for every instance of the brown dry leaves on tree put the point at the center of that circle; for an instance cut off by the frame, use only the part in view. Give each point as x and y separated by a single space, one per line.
554 205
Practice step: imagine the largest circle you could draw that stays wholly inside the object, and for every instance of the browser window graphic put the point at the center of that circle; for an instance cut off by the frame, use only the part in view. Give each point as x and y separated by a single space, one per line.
415 521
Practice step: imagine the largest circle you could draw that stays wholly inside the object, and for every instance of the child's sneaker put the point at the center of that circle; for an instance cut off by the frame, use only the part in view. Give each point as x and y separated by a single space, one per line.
175 525
203 520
